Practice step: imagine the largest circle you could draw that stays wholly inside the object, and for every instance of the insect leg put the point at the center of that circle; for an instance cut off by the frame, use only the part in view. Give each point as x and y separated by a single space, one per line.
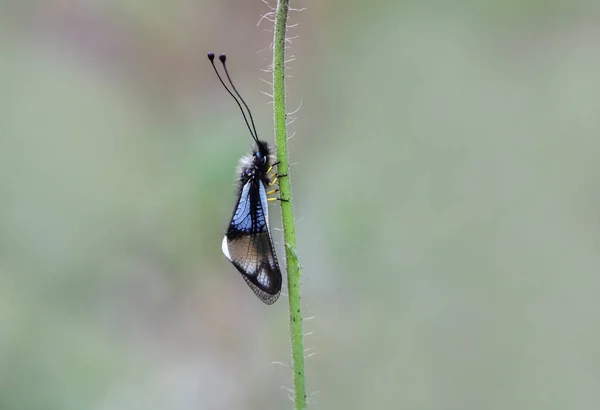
276 174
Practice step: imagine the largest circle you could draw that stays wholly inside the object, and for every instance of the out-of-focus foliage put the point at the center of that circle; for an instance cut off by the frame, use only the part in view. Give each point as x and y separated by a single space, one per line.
446 188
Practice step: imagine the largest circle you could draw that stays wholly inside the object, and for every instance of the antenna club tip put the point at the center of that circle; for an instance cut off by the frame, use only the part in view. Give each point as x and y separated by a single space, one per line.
222 57
211 56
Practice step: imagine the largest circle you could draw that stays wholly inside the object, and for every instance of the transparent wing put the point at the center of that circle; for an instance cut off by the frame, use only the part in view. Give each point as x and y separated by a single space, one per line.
248 244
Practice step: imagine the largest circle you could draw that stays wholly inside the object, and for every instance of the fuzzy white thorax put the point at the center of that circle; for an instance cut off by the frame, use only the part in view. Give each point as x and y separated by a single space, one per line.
247 161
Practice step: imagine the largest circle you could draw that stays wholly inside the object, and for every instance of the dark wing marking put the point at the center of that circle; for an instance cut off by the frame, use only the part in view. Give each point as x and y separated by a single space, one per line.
248 244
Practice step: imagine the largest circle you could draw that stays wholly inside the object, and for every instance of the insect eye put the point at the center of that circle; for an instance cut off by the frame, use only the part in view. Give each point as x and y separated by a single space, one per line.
258 155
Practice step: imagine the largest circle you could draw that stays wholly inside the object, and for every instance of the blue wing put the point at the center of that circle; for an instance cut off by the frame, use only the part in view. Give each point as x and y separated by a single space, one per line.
248 244
251 213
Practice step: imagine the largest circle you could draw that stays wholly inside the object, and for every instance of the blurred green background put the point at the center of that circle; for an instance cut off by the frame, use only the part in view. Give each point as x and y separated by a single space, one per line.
446 189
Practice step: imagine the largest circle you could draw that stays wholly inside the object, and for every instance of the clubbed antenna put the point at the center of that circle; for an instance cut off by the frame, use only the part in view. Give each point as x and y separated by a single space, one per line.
211 57
223 57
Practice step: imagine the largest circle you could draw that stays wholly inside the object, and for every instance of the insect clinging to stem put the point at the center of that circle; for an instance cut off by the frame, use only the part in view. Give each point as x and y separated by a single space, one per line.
247 243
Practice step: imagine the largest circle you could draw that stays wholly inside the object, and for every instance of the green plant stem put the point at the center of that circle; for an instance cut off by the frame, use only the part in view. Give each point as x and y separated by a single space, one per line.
287 211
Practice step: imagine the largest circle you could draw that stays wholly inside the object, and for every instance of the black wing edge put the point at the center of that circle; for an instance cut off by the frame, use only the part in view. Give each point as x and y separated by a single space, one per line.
266 297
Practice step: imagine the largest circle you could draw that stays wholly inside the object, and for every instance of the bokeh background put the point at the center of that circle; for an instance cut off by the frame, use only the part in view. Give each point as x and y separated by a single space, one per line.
446 161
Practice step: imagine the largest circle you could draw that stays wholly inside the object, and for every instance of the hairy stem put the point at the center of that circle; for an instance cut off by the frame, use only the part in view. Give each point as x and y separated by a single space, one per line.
287 210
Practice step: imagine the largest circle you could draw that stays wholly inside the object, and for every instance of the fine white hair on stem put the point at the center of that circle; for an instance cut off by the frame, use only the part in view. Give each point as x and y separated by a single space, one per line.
297 109
267 94
266 81
311 397
269 6
263 50
288 389
269 69
293 9
281 364
292 136
270 16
